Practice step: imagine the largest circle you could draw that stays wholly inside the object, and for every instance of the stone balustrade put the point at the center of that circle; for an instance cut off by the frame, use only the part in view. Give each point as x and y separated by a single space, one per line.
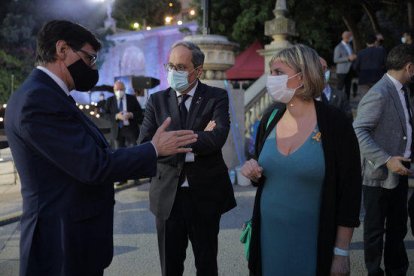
256 100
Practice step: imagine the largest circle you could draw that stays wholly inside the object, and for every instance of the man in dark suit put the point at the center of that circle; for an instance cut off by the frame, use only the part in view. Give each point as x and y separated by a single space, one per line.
190 191
385 132
333 96
125 115
65 165
370 65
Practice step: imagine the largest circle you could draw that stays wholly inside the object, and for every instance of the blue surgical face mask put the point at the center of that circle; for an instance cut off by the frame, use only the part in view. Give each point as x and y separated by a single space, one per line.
178 80
327 75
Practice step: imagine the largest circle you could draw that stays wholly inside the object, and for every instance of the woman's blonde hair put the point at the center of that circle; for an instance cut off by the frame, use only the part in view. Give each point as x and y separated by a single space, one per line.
305 60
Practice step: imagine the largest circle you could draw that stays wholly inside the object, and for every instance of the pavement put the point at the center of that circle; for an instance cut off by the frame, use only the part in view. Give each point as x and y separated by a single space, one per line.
135 239
10 203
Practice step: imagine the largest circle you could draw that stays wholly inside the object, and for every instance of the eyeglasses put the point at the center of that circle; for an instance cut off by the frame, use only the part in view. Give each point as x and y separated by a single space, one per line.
91 57
170 67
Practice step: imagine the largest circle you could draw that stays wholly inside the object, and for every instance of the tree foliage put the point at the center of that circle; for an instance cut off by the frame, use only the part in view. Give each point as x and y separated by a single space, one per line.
9 73
20 22
151 13
319 23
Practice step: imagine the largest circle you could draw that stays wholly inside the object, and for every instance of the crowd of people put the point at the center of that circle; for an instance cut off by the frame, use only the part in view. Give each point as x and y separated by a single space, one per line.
313 161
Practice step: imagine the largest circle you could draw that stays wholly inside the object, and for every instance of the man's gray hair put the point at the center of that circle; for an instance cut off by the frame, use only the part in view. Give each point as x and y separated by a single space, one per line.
198 55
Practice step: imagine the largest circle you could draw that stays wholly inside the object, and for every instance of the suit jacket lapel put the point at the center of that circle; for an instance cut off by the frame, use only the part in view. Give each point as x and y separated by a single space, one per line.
332 100
173 108
392 91
196 103
89 125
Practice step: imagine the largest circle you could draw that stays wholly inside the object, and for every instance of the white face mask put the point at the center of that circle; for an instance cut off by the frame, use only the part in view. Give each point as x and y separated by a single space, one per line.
178 80
119 94
403 40
278 90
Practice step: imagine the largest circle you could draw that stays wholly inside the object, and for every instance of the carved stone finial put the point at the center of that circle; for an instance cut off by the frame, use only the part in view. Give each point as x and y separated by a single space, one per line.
280 9
281 24
280 29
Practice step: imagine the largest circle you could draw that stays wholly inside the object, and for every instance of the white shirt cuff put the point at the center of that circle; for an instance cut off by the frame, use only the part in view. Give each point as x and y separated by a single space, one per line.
189 157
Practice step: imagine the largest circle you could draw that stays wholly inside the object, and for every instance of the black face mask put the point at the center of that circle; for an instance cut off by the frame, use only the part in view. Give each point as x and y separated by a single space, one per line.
83 76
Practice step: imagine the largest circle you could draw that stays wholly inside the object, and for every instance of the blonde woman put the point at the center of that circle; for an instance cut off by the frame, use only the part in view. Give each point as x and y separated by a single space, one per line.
307 169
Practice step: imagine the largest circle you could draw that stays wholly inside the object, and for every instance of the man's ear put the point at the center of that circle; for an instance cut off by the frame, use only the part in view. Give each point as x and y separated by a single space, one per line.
61 49
200 72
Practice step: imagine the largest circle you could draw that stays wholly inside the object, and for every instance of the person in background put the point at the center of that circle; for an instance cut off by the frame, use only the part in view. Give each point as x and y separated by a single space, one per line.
190 192
379 41
343 58
408 37
303 216
125 115
65 165
333 96
385 132
100 105
370 65
141 97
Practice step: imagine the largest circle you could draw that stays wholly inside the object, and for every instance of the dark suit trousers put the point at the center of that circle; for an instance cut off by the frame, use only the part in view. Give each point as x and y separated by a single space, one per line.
344 82
186 223
411 212
127 137
386 207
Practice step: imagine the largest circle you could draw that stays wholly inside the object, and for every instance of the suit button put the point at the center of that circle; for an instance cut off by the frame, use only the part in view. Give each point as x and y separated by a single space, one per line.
405 138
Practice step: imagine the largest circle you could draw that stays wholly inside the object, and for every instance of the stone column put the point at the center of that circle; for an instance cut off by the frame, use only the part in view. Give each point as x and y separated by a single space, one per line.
219 56
280 29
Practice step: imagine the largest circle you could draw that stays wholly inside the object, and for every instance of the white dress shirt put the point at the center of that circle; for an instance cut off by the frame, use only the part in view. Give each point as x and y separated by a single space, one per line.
347 47
189 156
124 107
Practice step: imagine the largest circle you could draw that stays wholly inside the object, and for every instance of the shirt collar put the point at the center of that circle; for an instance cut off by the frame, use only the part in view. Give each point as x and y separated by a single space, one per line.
190 93
54 77
398 85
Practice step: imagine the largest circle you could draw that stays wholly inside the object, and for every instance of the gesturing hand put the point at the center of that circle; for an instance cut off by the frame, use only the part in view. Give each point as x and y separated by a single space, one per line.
119 116
172 142
252 170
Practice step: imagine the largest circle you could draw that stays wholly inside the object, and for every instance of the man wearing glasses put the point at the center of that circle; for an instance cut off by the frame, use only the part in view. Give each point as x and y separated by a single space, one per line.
65 164
190 191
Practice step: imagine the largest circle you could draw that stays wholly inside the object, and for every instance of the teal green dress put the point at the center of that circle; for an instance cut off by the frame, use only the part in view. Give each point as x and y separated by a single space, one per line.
290 206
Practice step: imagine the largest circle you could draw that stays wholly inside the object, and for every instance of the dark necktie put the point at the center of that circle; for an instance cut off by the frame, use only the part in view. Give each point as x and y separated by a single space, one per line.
120 109
183 119
183 110
410 116
324 98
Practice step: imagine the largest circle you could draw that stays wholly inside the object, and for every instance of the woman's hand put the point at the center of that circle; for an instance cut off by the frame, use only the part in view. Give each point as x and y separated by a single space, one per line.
340 266
252 170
